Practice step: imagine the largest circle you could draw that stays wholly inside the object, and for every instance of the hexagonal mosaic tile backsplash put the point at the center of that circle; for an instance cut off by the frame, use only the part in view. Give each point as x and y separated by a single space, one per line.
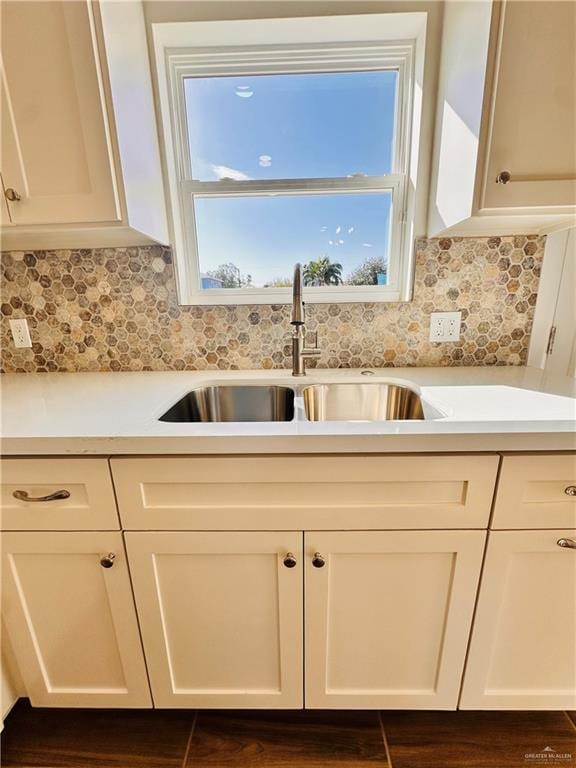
115 309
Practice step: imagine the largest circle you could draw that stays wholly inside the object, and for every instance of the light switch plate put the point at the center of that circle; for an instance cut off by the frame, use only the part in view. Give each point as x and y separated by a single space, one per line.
445 326
20 333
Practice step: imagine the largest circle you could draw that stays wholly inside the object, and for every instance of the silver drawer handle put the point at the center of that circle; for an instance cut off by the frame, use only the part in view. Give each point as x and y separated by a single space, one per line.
567 543
56 496
570 491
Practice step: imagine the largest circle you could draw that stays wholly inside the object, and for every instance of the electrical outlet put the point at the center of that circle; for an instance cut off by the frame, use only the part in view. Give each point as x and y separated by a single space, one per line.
20 333
445 326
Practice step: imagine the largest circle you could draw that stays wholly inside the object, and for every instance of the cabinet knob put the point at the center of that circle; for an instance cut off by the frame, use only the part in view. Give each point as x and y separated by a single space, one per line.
570 491
503 177
12 195
289 561
567 543
107 561
56 496
318 561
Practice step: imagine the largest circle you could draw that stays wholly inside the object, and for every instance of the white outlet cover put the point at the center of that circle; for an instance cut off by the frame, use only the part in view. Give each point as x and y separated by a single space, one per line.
445 326
20 333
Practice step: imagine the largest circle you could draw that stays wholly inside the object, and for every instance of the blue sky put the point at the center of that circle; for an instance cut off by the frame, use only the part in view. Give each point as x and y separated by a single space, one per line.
291 126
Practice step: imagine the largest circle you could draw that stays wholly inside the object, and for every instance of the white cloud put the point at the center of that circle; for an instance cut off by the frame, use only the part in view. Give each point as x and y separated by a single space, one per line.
323 229
338 230
341 242
244 91
368 245
224 172
330 242
350 230
265 161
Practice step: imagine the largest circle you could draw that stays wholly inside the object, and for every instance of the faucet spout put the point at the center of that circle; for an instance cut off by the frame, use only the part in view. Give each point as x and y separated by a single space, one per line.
299 350
297 302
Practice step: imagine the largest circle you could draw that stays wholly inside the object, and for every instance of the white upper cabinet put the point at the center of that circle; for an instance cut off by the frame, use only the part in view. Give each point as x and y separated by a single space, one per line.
504 159
534 108
80 155
56 155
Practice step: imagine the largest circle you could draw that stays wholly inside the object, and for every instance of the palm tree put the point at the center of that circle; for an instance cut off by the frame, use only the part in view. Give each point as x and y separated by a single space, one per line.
322 272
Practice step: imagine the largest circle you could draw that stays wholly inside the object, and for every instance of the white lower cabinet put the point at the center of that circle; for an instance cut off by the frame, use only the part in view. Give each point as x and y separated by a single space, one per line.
221 617
523 648
388 616
69 611
322 619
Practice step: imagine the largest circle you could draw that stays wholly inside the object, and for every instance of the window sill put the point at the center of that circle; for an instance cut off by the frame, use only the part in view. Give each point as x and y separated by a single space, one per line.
328 295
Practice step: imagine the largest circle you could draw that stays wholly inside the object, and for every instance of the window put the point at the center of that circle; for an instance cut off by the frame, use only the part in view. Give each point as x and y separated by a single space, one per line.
289 151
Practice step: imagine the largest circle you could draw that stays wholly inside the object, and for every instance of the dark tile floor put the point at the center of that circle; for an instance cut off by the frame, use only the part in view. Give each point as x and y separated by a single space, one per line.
52 738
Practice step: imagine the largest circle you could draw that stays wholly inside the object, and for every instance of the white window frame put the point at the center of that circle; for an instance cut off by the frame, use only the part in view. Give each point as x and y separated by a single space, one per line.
326 44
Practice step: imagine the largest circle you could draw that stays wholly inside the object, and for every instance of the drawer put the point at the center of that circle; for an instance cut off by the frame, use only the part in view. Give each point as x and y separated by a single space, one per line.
536 492
89 502
305 492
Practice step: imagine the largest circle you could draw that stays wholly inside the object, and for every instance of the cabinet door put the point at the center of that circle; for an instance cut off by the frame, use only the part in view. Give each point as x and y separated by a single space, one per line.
71 621
523 648
56 151
388 617
533 126
221 617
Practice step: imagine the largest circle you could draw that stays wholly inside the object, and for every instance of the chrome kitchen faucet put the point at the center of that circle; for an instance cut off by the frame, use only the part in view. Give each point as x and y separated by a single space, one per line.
299 351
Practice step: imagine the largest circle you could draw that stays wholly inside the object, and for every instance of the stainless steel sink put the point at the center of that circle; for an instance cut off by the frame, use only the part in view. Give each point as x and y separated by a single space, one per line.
361 402
234 403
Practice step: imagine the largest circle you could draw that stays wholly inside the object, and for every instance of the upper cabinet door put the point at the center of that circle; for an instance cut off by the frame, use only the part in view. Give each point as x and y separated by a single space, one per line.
506 102
533 122
71 620
56 150
388 615
522 652
221 617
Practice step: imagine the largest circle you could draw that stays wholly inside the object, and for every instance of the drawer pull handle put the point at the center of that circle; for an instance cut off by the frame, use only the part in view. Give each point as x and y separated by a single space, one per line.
107 561
289 561
318 561
56 496
570 491
567 543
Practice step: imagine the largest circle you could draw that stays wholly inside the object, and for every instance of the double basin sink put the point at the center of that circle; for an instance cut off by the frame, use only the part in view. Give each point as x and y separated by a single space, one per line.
322 402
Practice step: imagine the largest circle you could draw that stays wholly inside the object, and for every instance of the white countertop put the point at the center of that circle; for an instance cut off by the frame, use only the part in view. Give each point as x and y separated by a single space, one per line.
486 409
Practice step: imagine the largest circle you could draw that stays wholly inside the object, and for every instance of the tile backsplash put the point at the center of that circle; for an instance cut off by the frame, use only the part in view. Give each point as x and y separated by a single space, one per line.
115 309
